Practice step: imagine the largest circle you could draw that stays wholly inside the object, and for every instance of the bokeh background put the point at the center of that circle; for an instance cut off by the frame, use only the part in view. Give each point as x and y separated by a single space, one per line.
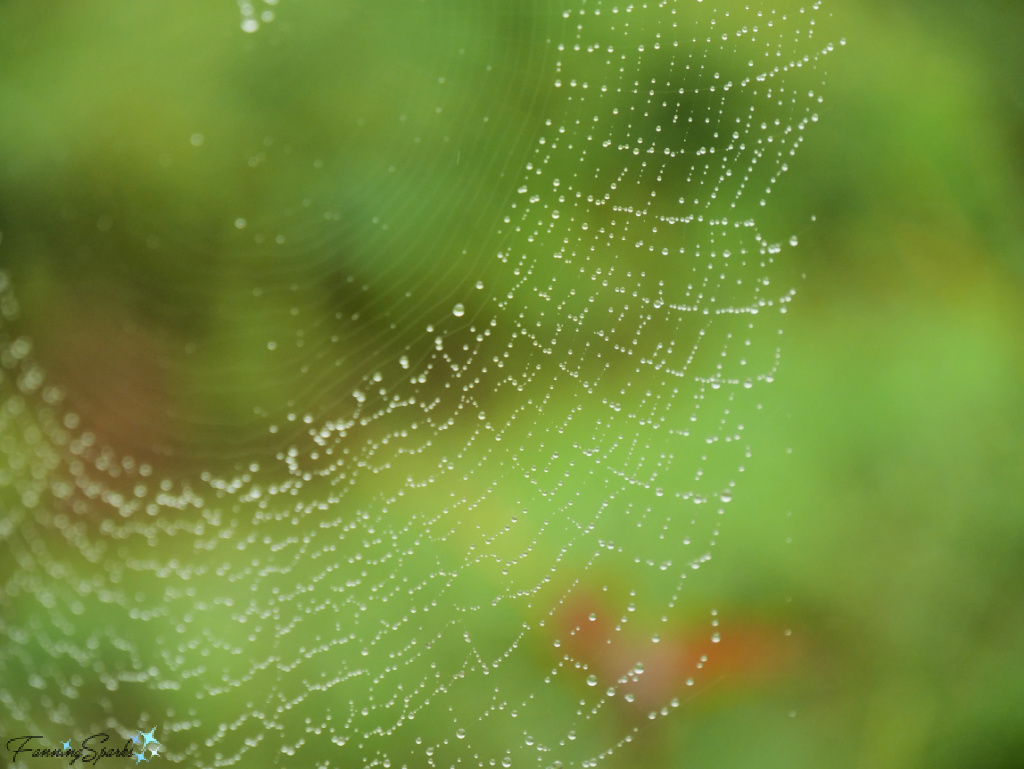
870 577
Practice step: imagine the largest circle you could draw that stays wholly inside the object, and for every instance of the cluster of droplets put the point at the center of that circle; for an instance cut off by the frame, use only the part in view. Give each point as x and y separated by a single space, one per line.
253 16
502 512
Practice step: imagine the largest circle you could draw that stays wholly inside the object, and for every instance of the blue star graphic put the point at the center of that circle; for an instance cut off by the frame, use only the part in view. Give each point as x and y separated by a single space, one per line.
67 744
148 737
140 757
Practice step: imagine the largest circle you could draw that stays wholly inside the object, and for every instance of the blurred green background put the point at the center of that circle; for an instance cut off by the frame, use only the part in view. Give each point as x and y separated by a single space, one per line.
879 529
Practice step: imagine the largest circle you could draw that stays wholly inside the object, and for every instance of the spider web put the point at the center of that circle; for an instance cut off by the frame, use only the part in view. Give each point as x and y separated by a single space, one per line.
505 337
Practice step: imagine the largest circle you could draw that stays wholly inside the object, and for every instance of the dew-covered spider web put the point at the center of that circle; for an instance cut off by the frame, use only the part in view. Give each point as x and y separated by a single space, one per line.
373 385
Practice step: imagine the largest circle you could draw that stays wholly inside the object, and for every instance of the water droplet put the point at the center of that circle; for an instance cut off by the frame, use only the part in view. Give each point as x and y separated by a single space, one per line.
591 680
458 310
